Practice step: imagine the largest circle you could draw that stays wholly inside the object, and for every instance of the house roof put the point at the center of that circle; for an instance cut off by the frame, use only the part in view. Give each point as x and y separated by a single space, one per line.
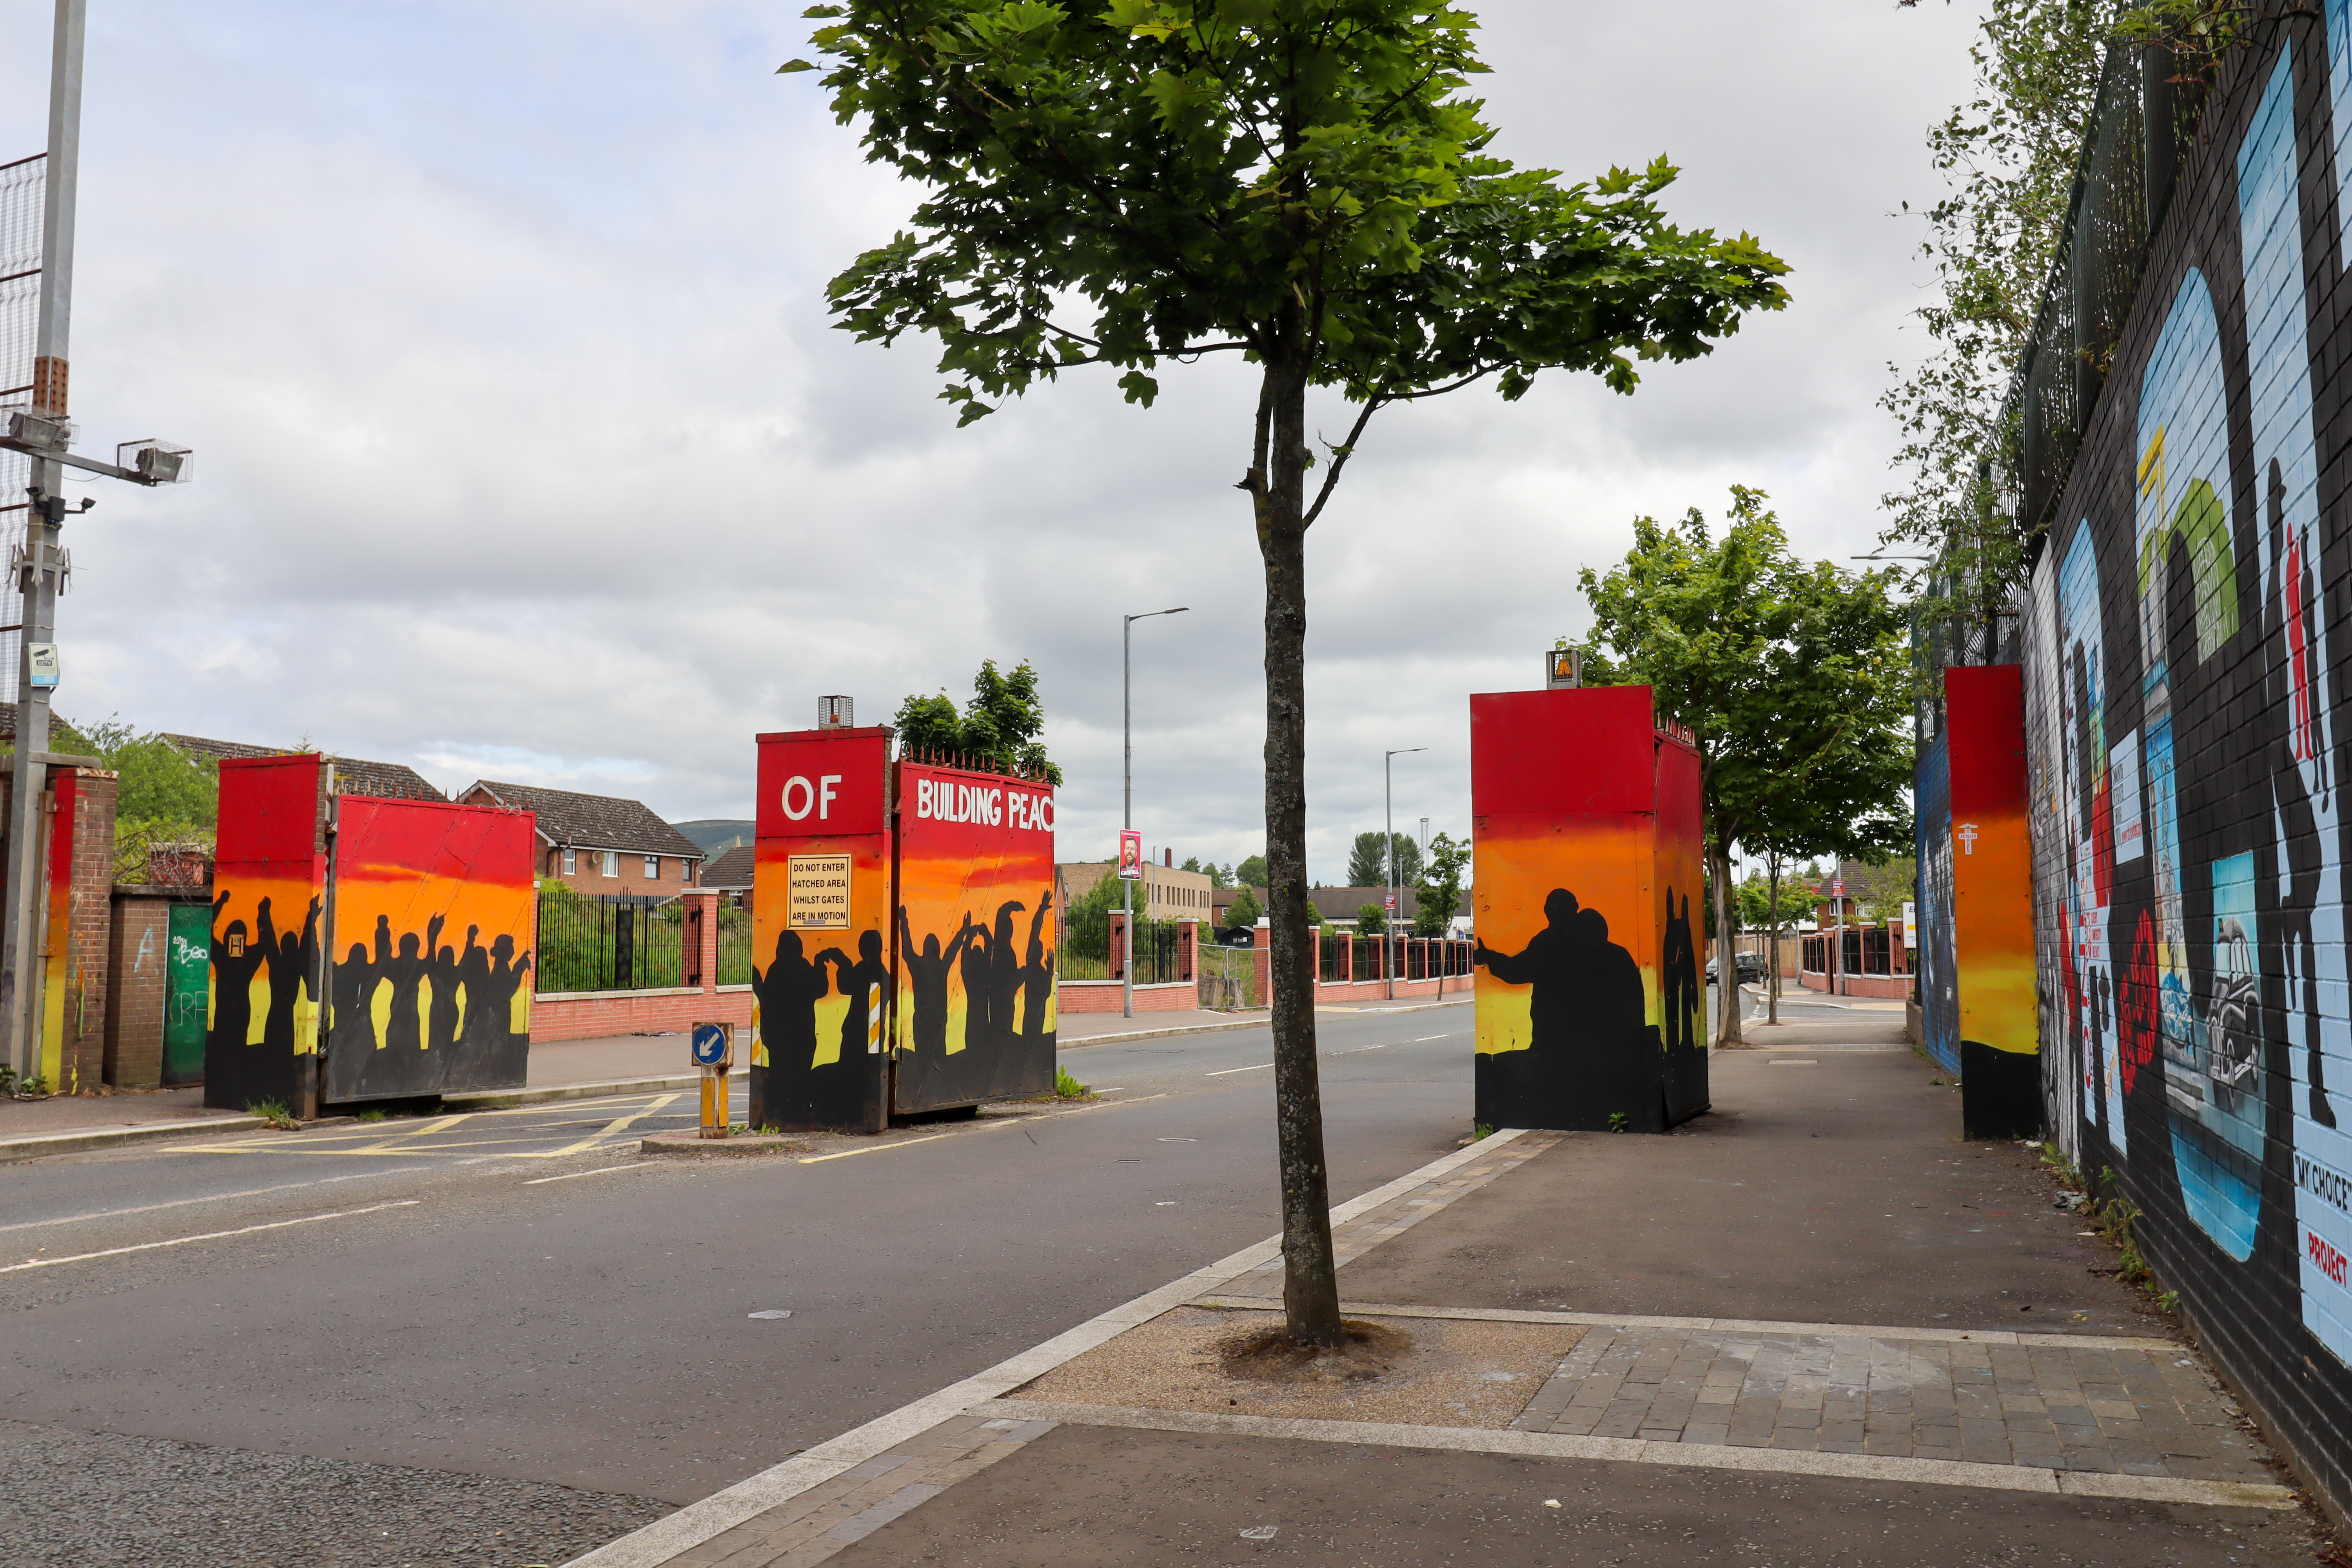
731 871
353 775
592 821
1341 903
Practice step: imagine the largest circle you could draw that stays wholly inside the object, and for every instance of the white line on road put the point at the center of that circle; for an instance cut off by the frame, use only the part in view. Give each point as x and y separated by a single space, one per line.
575 1175
183 1203
1222 1071
208 1236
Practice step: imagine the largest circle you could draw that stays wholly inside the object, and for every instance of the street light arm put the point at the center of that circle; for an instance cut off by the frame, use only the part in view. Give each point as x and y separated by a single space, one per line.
89 465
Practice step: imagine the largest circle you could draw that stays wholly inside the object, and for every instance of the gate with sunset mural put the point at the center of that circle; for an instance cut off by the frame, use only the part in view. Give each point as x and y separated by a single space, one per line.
362 948
1585 831
904 934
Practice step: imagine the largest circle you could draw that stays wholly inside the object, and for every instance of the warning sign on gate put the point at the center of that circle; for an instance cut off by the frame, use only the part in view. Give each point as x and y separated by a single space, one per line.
817 892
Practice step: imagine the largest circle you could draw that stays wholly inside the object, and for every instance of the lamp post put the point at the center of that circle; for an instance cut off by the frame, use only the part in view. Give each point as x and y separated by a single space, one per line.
1126 791
42 433
1387 827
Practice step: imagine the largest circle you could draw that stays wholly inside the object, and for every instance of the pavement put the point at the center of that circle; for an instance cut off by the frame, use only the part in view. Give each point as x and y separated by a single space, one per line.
1812 1326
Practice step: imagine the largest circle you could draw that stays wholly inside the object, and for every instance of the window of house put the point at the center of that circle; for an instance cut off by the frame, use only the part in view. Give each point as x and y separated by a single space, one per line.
570 862
611 866
652 868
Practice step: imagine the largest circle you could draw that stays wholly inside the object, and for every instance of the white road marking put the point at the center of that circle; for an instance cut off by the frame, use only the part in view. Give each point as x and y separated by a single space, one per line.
208 1236
183 1203
606 1171
1222 1071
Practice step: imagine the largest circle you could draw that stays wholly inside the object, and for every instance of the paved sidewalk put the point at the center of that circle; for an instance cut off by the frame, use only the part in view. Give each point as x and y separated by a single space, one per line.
1888 1345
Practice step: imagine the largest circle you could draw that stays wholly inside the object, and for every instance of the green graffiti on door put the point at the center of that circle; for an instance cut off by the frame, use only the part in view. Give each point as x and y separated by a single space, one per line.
187 993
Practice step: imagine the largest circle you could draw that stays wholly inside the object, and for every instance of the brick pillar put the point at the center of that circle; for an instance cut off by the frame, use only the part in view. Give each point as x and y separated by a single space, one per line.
702 928
1187 947
1259 936
1117 956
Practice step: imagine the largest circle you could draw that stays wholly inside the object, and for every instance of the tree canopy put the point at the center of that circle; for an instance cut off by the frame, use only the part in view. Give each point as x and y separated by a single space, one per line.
1368 864
1437 892
1794 678
1305 184
999 728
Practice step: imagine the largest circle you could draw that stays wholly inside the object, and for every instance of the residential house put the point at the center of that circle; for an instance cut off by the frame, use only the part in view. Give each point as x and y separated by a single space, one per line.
731 875
599 843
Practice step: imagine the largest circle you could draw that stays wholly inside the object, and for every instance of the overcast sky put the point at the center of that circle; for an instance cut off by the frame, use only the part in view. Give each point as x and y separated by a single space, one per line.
526 451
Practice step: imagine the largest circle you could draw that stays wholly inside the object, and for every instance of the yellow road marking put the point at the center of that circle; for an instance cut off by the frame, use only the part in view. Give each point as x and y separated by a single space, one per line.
439 1124
597 1137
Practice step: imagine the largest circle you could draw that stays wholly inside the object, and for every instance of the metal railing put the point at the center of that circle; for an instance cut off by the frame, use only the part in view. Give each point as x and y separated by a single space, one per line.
617 943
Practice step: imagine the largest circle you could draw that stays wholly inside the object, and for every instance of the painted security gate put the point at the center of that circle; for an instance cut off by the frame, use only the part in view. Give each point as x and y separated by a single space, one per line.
1586 841
432 908
904 934
362 948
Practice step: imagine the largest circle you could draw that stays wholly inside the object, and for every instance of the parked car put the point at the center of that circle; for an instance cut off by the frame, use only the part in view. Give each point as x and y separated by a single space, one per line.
1749 966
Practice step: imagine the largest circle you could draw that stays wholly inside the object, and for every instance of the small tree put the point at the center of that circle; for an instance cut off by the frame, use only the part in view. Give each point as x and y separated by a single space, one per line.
1251 872
1244 910
1794 679
1438 894
999 728
1303 182
1371 920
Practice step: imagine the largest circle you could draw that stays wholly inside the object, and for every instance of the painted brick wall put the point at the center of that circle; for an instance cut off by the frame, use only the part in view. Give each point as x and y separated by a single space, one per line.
2187 732
140 941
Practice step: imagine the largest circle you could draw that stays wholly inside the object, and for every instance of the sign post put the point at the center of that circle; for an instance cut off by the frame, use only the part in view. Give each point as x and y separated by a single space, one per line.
714 1052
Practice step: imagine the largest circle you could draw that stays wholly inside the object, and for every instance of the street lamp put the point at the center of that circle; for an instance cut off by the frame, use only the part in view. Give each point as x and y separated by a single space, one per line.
1127 789
1387 826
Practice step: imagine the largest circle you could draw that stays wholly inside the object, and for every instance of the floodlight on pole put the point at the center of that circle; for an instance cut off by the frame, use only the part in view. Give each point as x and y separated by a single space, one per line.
1387 827
1126 791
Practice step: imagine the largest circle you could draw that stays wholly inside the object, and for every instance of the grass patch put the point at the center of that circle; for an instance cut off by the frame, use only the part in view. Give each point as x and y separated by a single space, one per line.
1066 1087
274 1112
1481 1130
369 1116
1618 1121
2114 1216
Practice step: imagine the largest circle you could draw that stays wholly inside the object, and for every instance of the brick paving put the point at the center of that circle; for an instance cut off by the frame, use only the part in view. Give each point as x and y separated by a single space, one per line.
2111 1406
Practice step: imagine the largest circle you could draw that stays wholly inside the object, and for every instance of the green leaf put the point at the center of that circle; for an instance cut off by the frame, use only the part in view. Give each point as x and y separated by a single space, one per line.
793 68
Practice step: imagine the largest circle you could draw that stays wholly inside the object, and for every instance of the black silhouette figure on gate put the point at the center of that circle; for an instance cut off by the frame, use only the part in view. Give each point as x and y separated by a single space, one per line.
978 991
787 995
1036 976
863 982
1588 1054
1003 977
482 1026
355 983
441 1015
926 982
292 960
236 960
1678 977
405 970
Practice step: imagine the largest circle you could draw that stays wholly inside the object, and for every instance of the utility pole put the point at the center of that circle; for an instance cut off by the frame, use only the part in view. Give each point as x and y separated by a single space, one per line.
1126 791
44 434
1388 830
37 567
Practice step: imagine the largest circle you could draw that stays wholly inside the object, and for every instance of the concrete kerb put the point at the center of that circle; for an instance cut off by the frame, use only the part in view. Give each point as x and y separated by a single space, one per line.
46 1144
697 1522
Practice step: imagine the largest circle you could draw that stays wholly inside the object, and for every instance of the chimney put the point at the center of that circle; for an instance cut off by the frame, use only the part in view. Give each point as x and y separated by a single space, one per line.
1168 860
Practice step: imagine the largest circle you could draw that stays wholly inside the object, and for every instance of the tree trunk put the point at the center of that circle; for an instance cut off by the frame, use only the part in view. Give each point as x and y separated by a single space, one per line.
1726 968
1311 1289
1772 970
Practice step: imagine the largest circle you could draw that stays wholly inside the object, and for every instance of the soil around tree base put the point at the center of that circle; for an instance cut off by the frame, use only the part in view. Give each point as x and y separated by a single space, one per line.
1271 1355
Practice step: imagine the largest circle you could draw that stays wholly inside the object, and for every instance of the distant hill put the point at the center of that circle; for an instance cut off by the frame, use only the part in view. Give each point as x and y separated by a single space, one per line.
716 834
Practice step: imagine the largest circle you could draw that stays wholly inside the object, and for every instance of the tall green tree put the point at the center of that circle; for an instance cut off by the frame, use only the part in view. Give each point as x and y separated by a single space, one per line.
1368 859
1001 727
1305 184
1251 872
2007 157
1795 679
1437 894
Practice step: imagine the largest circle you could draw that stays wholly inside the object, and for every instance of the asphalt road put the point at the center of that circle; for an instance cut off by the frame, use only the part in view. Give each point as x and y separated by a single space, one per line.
517 1296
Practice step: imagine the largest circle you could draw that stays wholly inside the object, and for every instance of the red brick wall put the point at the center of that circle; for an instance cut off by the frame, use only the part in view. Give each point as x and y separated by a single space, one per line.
89 931
593 1014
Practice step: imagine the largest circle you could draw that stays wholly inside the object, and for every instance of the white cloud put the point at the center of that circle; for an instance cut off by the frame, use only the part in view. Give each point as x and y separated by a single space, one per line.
526 447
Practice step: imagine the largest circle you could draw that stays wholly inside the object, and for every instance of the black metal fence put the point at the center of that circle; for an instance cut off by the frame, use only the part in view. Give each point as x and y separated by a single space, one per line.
1158 960
734 945
618 942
